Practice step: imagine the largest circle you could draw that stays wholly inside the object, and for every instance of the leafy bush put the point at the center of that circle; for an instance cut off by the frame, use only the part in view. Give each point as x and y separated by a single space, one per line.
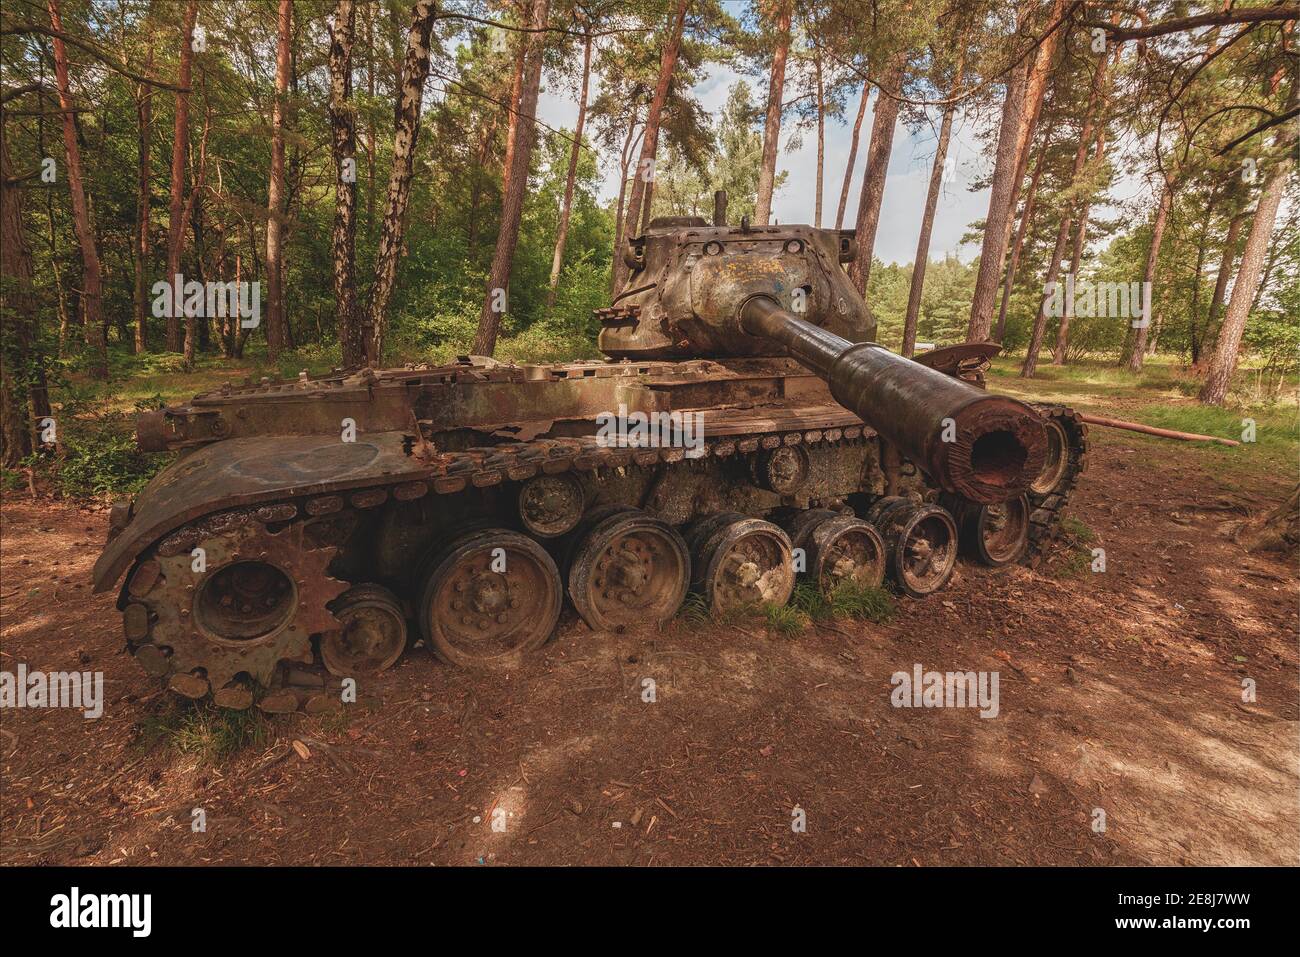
98 457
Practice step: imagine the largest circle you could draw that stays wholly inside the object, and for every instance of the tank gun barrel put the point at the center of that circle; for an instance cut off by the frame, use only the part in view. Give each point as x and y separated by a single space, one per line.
988 448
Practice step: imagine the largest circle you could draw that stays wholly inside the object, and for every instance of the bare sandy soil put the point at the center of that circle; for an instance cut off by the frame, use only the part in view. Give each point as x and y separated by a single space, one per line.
1120 692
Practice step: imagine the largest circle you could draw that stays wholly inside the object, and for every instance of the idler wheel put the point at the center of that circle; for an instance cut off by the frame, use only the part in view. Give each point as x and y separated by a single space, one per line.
371 636
551 505
1057 461
741 562
920 541
629 568
838 548
995 534
489 596
782 470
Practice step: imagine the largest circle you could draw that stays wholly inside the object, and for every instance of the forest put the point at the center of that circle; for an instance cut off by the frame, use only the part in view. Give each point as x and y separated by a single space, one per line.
377 178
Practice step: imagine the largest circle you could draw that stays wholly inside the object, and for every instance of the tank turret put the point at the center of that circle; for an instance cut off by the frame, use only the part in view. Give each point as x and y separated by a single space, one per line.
717 291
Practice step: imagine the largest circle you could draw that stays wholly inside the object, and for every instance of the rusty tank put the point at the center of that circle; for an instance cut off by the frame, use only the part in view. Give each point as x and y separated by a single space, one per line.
744 432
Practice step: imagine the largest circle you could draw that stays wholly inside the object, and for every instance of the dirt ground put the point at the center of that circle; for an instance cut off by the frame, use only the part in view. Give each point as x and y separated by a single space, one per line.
1120 691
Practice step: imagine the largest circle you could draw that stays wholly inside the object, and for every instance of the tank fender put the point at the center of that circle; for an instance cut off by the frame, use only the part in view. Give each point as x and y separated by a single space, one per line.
250 471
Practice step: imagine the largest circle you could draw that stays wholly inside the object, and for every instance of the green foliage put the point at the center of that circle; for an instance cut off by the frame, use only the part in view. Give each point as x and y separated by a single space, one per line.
727 155
846 600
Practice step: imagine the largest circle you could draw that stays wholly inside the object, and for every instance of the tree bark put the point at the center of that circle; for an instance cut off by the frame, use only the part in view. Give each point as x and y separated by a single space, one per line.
496 292
1138 341
1030 365
144 122
1224 362
772 124
650 137
1193 312
1001 196
193 214
628 145
873 177
853 155
91 296
180 143
927 220
1026 221
415 70
344 235
1225 269
17 320
1095 115
571 178
275 318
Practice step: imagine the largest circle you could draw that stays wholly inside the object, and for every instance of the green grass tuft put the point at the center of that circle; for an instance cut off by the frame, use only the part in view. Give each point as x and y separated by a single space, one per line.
202 729
863 602
784 620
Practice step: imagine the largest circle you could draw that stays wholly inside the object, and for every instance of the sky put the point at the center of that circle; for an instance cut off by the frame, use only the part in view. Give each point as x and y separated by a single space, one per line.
906 182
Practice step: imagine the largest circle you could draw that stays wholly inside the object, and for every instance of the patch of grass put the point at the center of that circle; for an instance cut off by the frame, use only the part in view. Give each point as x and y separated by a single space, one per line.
845 600
863 602
1079 538
784 620
336 722
695 610
1080 531
202 729
810 600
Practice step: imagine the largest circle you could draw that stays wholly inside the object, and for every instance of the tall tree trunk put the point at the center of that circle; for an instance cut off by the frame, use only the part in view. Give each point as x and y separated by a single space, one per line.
18 318
91 297
1095 116
193 204
1001 196
646 210
1138 339
853 154
415 70
821 140
144 122
650 138
1224 362
372 143
496 292
1022 230
1035 94
566 207
873 177
176 205
275 317
1225 270
629 144
772 124
344 140
927 220
1030 365
1193 312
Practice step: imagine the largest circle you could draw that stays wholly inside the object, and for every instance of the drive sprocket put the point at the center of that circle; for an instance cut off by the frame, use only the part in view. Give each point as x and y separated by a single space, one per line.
251 598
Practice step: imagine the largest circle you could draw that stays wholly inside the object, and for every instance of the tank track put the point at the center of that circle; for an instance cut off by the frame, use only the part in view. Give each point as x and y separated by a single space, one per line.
156 611
1045 514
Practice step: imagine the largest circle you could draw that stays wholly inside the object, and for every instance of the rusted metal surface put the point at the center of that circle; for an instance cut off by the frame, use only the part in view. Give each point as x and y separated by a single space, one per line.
189 614
249 471
689 281
331 508
986 447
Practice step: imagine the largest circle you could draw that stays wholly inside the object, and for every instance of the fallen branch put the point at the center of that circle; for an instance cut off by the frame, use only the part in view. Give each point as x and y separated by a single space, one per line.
1152 430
